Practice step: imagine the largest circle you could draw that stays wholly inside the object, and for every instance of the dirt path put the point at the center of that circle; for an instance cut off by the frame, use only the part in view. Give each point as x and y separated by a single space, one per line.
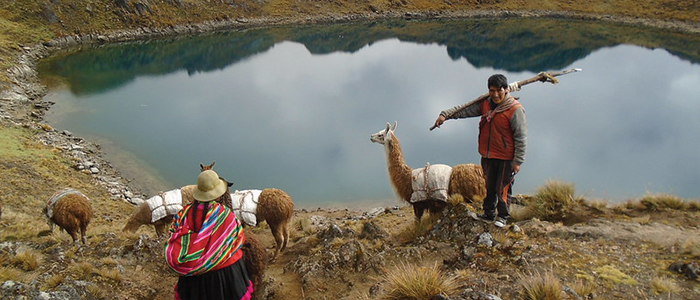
288 284
658 233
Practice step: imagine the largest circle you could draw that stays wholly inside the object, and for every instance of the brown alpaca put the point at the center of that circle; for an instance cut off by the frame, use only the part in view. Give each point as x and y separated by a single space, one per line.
71 211
276 208
466 179
143 217
255 259
143 214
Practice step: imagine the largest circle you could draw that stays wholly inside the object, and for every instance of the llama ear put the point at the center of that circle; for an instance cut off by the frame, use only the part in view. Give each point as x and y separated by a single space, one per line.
394 126
228 183
388 127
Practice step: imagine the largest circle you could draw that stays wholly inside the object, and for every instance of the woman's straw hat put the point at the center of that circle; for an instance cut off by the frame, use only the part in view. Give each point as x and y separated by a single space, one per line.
209 186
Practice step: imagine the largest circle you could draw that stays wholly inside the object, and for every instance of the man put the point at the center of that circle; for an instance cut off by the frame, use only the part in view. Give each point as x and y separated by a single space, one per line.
502 142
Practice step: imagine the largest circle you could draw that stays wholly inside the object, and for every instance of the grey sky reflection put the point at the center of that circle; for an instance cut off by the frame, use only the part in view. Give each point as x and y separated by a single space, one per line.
285 118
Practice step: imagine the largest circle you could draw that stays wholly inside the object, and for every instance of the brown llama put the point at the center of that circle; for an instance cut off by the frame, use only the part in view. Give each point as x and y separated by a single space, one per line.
146 214
71 211
255 259
143 217
466 179
273 206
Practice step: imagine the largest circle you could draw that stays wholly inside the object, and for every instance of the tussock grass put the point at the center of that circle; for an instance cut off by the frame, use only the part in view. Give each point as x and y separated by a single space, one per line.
110 275
463 274
411 282
659 202
10 273
552 202
630 204
584 277
411 233
613 276
600 205
338 242
295 236
108 261
4 258
96 233
28 260
54 281
459 205
540 287
584 288
96 292
302 224
691 248
477 202
455 199
81 271
694 205
661 285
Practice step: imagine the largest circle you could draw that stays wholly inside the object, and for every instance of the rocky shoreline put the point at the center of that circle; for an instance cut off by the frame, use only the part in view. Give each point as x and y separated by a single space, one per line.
22 102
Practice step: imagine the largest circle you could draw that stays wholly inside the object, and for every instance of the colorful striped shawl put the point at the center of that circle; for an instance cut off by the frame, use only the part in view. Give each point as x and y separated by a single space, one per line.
216 245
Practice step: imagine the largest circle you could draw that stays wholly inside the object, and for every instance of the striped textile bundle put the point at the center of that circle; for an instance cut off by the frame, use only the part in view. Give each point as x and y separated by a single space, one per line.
216 245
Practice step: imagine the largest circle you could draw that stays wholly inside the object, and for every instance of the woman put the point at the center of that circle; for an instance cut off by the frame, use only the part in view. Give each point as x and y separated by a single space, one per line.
205 246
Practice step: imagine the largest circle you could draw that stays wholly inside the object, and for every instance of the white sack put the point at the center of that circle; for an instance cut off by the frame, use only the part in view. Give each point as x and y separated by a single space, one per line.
245 205
168 205
431 183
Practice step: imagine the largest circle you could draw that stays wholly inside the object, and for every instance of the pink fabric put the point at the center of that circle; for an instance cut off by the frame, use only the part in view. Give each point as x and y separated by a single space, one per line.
249 293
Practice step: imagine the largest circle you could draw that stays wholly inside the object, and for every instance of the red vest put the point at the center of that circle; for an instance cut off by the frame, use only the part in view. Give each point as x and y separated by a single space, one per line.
496 137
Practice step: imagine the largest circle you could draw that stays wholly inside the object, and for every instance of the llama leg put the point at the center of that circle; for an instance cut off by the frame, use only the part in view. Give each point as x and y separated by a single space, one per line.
74 235
418 212
160 229
277 233
285 232
83 234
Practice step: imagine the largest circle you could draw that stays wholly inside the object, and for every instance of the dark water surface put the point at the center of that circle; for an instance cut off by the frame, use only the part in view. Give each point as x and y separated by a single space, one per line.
293 107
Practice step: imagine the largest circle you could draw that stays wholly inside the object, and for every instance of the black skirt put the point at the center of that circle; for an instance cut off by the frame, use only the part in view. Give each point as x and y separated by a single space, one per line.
229 283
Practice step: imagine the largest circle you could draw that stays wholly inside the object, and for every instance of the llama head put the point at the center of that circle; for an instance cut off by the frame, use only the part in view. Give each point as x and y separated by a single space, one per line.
209 167
384 136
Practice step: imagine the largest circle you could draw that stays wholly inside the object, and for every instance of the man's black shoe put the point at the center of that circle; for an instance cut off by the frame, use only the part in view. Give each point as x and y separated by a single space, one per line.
486 217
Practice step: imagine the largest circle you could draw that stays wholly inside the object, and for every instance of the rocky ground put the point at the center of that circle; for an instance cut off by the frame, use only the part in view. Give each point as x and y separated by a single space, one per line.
625 252
345 254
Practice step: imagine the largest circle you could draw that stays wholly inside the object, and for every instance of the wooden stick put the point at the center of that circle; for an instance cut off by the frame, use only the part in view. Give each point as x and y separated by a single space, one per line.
542 77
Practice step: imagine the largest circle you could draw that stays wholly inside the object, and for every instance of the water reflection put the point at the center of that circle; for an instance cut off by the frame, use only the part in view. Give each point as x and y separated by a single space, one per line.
513 45
293 107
